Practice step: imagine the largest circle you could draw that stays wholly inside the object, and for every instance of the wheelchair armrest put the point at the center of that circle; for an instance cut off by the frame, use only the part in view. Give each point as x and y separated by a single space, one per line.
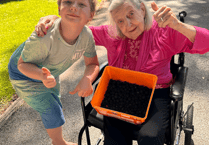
177 89
96 119
101 70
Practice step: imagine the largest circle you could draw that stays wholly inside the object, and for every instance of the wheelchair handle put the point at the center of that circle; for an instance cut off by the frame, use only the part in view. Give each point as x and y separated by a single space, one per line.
182 14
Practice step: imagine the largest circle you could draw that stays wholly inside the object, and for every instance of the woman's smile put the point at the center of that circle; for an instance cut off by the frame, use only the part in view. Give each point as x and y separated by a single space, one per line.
133 29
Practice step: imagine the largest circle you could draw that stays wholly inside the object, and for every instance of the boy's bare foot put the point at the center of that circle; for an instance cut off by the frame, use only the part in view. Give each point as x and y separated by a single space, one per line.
53 143
67 143
71 143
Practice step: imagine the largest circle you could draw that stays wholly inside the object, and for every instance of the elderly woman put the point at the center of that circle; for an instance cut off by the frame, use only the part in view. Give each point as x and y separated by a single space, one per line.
137 41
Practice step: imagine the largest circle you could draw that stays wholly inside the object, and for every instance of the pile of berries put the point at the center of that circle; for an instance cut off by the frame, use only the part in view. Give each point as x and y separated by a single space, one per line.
128 98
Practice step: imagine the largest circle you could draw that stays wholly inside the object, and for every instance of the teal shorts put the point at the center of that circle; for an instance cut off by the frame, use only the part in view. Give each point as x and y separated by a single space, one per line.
41 99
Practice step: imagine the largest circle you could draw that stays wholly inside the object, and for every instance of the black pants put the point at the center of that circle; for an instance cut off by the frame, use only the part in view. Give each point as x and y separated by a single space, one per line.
151 132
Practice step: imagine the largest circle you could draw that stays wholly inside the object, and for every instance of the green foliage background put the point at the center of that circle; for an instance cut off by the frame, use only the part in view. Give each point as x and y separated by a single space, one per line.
17 21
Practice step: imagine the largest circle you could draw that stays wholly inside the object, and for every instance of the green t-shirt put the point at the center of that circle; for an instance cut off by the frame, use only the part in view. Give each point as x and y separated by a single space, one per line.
52 52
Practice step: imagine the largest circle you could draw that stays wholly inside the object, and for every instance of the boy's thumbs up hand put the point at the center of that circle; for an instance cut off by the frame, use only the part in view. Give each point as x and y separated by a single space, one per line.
48 79
46 71
164 16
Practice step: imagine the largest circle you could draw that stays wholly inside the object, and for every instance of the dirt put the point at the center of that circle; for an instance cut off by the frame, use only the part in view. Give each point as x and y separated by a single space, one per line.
127 98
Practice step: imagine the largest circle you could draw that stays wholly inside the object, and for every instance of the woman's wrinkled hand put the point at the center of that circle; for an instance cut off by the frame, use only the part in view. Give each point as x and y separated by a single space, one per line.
165 16
84 88
44 24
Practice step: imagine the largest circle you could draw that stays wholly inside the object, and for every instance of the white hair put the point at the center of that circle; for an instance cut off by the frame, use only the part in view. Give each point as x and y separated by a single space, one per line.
114 30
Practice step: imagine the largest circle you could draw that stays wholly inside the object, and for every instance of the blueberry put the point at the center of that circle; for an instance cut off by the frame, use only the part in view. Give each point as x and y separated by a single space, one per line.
127 98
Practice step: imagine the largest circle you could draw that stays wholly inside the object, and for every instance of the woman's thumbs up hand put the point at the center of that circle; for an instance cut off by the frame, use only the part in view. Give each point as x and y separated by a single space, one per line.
165 16
48 79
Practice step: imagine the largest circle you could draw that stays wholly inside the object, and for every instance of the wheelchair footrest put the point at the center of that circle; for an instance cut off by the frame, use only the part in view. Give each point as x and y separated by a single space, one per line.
189 130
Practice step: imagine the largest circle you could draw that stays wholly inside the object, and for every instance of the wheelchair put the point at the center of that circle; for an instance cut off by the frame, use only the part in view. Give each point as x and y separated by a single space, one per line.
178 119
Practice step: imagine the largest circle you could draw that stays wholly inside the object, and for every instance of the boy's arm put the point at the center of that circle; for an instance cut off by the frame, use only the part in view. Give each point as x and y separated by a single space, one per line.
32 71
84 87
29 69
92 68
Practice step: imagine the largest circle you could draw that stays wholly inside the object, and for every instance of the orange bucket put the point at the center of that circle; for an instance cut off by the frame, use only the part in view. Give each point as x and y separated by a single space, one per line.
134 77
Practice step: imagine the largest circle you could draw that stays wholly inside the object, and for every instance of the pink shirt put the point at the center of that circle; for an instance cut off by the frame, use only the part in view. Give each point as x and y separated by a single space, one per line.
131 54
157 46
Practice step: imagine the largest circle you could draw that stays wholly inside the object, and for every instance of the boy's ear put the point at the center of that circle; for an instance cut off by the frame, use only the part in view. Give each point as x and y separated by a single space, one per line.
59 10
91 15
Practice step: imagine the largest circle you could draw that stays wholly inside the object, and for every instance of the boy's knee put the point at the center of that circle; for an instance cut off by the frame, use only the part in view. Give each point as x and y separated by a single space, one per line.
52 121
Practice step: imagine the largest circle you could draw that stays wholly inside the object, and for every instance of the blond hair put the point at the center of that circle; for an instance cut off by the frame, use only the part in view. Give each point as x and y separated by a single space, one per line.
114 30
91 2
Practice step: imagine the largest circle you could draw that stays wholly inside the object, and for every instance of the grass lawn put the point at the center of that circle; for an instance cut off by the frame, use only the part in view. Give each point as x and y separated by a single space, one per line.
18 19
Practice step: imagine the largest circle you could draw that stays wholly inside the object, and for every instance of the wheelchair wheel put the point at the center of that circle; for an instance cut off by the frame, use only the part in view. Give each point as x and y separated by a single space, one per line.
189 121
178 127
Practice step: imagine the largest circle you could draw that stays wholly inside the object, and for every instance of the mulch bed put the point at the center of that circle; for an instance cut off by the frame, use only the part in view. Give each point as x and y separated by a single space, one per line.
4 108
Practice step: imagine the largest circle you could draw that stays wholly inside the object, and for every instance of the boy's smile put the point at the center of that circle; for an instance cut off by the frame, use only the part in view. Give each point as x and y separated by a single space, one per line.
76 12
73 15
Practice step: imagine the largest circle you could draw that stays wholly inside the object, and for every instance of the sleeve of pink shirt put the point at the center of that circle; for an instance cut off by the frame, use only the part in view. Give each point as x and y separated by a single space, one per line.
101 35
200 45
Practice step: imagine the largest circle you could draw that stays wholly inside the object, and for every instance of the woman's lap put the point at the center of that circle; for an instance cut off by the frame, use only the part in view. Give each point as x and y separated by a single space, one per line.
153 129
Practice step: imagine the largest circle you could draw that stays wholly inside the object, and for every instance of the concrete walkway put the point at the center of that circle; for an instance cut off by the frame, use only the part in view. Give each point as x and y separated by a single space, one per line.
25 126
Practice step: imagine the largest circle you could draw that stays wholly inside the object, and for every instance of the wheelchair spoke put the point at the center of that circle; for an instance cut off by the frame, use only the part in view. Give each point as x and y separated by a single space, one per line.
188 109
100 138
178 133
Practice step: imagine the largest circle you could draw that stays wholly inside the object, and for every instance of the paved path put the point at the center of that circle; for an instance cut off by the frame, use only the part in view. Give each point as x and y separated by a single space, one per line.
25 126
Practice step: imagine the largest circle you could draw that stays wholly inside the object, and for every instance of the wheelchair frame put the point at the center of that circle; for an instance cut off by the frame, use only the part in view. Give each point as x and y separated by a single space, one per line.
178 122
